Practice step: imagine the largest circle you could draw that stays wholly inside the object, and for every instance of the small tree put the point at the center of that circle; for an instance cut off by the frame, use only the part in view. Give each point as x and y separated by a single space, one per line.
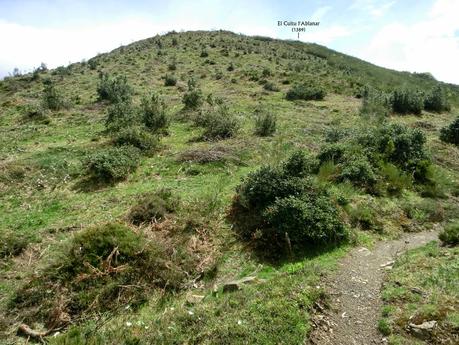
154 113
437 100
52 99
115 89
407 101
450 134
265 123
192 99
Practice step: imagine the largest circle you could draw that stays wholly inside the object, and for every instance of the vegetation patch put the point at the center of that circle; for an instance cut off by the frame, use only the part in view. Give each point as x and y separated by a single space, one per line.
420 297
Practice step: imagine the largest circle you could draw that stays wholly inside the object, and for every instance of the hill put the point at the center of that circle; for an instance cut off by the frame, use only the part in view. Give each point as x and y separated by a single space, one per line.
129 217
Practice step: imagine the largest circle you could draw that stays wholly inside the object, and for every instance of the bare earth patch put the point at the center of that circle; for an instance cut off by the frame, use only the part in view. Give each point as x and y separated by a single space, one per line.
355 301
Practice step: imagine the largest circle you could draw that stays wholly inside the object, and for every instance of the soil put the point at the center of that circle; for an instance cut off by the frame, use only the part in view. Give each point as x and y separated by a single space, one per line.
354 306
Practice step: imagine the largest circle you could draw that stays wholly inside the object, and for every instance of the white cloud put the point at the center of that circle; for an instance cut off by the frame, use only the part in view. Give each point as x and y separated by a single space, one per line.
318 14
326 35
429 45
27 46
372 7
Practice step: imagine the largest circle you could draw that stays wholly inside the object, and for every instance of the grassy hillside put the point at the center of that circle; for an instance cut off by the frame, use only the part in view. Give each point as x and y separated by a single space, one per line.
163 281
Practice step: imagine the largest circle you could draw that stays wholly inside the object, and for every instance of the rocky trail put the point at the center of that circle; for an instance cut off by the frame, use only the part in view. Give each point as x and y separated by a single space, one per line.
354 290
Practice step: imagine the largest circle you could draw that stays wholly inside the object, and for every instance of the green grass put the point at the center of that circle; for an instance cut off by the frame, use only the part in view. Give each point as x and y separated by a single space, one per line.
43 199
422 287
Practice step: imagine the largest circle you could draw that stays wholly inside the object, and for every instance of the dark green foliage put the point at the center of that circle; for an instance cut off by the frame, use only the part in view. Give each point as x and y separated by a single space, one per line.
119 116
299 164
52 99
219 123
437 100
305 92
112 164
114 89
154 113
170 80
450 234
230 67
192 99
388 156
450 134
137 137
308 218
265 123
204 53
153 207
407 101
276 203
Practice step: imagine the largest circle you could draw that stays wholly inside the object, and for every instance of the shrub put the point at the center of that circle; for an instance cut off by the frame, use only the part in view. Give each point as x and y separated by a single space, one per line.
265 123
102 268
273 203
357 170
154 113
305 92
450 234
170 80
52 99
298 164
137 137
112 164
114 89
219 124
153 207
120 116
437 100
230 67
407 101
450 134
204 53
36 113
192 99
270 86
310 218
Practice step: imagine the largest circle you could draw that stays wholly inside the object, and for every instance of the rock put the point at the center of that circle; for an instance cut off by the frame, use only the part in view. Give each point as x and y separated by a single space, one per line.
237 284
422 331
231 286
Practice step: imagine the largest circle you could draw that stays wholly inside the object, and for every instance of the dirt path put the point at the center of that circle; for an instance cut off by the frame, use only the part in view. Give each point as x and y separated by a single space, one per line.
355 293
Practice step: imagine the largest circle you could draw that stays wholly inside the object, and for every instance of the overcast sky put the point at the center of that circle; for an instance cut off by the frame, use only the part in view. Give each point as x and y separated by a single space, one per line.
410 35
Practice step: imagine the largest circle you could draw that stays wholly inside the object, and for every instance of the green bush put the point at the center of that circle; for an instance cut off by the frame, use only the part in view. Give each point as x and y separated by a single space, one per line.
170 80
102 268
137 137
274 203
219 124
114 89
450 133
305 92
407 101
357 170
153 207
265 123
299 164
120 116
52 99
192 99
437 100
112 164
154 113
450 234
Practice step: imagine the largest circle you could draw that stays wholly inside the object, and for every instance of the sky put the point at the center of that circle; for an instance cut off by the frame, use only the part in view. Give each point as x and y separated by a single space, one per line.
406 35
